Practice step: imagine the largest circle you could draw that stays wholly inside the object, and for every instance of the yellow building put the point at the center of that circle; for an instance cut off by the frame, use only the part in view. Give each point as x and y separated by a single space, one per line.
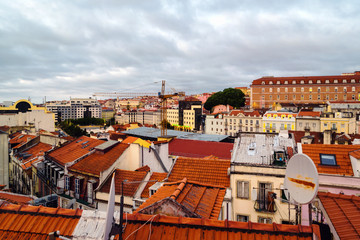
274 121
173 116
257 195
339 122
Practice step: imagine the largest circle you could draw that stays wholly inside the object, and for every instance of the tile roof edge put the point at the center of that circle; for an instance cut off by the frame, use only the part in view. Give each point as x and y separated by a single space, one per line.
28 209
179 189
274 227
196 183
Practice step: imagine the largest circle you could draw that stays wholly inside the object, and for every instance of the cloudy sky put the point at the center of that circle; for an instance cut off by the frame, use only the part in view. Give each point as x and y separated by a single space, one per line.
63 49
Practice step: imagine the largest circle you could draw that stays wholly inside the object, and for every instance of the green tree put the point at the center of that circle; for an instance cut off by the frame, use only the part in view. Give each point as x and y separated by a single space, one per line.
229 96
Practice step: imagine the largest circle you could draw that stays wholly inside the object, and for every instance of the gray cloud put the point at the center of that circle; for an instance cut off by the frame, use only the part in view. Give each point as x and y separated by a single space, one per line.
75 48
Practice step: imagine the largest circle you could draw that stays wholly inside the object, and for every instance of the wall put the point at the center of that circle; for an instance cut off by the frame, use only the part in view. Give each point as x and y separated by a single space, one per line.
4 159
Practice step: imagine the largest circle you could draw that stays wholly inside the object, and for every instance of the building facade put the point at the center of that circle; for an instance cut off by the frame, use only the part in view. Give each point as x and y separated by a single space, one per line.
266 91
74 109
274 121
339 122
242 121
308 120
215 124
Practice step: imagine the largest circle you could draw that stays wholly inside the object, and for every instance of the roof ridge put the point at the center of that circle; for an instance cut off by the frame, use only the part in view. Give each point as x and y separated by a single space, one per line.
179 189
196 183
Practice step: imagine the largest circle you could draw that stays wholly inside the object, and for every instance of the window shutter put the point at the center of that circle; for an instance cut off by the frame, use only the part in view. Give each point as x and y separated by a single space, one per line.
246 189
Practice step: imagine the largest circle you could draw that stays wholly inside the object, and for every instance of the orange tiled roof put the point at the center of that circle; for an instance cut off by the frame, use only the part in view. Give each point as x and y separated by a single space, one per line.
246 113
36 151
202 170
355 154
144 168
130 140
15 198
171 228
154 176
308 114
74 150
341 153
344 213
20 139
121 175
30 222
98 162
202 199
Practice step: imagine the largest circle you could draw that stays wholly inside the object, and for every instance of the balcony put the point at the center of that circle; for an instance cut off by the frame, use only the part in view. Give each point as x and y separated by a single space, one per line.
267 204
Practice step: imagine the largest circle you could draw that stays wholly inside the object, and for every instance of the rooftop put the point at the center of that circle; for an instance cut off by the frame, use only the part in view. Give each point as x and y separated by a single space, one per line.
32 154
245 113
207 171
30 222
17 140
154 133
343 213
340 165
121 175
15 198
200 149
154 176
74 150
98 161
201 200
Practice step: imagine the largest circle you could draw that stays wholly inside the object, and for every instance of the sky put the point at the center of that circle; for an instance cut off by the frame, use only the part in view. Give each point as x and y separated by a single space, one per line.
67 49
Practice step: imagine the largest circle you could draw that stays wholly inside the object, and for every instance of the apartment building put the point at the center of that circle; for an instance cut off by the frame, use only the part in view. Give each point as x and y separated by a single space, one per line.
242 121
75 108
305 90
274 121
215 124
308 120
339 122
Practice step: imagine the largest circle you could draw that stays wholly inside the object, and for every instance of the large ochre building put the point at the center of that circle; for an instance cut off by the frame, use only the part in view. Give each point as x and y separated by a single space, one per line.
266 91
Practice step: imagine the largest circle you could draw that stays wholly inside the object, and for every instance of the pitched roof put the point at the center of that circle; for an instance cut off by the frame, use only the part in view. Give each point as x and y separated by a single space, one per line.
74 150
30 222
121 175
98 161
341 153
254 113
308 114
208 171
343 212
15 198
32 154
20 139
316 136
199 149
202 199
140 226
154 176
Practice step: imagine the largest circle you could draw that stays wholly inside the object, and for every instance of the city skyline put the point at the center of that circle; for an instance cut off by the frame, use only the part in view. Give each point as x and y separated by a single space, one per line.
73 49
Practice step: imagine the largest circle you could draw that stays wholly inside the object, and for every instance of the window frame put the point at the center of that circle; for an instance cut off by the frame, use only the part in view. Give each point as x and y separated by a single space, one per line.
327 164
243 194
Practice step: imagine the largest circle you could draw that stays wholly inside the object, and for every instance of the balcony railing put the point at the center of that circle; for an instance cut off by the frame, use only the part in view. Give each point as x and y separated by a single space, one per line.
266 203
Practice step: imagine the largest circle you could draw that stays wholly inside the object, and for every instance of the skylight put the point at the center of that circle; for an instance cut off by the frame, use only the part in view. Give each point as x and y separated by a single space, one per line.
328 159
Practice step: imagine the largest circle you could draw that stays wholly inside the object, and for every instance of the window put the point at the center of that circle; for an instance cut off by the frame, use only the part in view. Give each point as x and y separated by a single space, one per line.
278 89
310 82
263 82
286 89
270 89
67 182
263 90
336 97
328 159
310 89
294 97
302 89
310 97
345 89
242 218
278 82
318 81
352 80
344 81
294 89
336 81
327 81
264 220
90 192
319 97
336 89
293 82
77 186
270 82
302 82
286 97
353 89
243 189
278 97
286 82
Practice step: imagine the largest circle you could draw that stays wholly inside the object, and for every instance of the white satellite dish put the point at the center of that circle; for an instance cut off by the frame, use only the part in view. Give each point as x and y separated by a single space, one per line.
253 194
301 179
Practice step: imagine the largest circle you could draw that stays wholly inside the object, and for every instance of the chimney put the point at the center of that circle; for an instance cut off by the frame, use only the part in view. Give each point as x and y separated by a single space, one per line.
327 136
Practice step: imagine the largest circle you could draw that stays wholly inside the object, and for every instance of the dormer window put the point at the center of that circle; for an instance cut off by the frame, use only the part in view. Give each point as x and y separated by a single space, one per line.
263 82
286 82
310 82
352 80
327 81
278 82
336 81
270 82
318 81
344 81
293 82
302 82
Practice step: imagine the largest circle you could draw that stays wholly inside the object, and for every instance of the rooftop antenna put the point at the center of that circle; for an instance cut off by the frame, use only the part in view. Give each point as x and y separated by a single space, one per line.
301 181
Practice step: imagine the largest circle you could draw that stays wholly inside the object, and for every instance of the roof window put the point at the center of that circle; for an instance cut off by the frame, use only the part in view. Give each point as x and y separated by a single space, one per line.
328 159
293 82
318 81
336 81
310 82
327 81
344 81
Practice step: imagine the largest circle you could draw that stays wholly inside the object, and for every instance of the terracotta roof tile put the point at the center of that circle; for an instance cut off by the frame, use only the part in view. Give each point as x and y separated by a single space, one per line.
202 199
130 140
98 162
20 139
144 168
199 149
171 228
121 175
341 152
35 152
308 114
355 154
344 213
317 136
246 113
154 176
74 150
201 170
36 222
15 198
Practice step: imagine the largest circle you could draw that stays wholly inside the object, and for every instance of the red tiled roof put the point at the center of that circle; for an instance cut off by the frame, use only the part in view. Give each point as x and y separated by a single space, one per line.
246 113
130 140
74 150
355 154
201 170
341 153
171 228
15 198
36 151
30 222
308 114
317 136
199 149
20 139
154 176
343 212
191 99
98 162
145 168
201 199
121 175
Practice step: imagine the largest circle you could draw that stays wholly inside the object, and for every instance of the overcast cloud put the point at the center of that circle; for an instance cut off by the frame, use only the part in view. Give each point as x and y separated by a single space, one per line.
63 49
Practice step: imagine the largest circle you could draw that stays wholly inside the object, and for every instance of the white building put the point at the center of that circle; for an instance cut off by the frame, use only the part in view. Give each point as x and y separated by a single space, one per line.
215 124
